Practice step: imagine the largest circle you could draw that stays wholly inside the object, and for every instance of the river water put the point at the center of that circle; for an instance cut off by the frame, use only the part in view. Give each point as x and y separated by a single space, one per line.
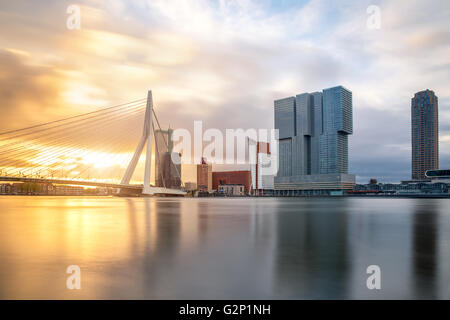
235 248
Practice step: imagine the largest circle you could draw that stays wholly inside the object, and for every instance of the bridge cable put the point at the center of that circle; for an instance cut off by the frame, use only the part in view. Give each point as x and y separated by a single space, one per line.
58 126
31 152
87 151
60 120
60 151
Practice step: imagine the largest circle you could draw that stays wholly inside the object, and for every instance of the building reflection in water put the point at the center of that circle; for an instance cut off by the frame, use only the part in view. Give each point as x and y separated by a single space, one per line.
200 248
425 249
312 259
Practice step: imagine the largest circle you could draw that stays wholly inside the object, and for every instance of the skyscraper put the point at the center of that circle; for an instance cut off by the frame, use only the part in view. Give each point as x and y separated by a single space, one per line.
337 125
424 133
313 141
285 123
163 144
167 173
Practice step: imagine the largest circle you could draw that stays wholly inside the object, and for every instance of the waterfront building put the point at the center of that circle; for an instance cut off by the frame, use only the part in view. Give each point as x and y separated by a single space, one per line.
67 190
231 189
435 186
5 188
242 177
43 188
28 188
190 186
438 175
261 181
424 133
313 142
204 176
162 146
167 172
170 171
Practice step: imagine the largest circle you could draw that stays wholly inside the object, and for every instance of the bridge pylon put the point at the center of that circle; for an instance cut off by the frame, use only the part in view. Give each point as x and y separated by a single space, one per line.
146 138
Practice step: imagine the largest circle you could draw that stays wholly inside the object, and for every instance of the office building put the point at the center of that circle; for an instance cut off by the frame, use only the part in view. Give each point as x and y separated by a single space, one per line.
167 172
170 171
313 142
424 133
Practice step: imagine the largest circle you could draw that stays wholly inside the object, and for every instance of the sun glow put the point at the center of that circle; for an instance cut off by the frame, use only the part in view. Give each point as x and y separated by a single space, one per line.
106 160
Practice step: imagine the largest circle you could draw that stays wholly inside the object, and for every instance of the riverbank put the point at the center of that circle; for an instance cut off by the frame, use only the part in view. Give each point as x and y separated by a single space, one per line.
369 196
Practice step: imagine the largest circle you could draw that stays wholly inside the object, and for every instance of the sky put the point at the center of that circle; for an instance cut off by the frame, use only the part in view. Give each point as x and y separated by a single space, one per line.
225 62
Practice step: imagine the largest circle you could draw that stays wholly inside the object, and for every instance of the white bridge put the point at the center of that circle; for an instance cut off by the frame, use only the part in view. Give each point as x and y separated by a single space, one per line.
19 151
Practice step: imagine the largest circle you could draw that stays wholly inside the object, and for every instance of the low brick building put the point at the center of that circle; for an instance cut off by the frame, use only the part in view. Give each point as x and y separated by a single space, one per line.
232 177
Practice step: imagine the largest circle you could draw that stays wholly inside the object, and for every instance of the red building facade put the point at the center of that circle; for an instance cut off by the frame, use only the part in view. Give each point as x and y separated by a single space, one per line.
204 176
232 177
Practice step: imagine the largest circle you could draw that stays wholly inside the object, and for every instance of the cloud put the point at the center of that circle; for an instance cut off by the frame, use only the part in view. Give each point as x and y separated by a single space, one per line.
26 91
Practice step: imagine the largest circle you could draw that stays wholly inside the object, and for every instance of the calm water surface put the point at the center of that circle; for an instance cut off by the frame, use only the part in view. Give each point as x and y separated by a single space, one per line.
174 248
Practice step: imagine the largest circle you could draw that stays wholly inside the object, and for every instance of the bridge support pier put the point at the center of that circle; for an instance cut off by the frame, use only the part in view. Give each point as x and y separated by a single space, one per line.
146 138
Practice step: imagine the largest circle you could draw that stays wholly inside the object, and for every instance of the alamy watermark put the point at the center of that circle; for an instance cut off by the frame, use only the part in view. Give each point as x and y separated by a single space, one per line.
219 148
374 18
374 280
74 280
73 21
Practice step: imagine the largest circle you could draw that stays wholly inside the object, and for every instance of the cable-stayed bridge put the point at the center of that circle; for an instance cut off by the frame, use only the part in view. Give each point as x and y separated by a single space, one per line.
91 149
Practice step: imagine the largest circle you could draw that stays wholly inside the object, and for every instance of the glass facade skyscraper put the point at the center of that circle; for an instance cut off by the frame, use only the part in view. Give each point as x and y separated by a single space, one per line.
424 133
285 121
337 125
313 140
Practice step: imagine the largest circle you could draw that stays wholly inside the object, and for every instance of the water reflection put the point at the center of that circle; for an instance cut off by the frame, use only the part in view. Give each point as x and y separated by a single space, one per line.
146 248
312 254
425 249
